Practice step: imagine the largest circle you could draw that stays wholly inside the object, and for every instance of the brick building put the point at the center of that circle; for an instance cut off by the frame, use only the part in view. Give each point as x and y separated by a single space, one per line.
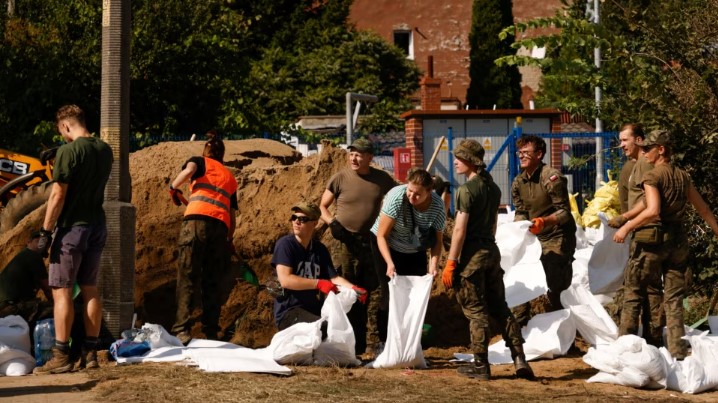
441 29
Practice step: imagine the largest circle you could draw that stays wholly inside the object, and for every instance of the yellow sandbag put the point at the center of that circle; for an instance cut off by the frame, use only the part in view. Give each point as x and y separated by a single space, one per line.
605 200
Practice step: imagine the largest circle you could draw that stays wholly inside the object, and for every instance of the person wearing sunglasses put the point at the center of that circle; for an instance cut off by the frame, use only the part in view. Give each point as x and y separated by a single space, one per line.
305 271
661 238
540 194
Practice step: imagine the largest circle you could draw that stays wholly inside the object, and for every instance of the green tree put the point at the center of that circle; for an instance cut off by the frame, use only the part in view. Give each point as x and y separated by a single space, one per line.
659 69
491 84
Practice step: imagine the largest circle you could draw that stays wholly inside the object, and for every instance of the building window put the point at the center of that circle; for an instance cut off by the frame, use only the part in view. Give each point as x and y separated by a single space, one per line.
404 40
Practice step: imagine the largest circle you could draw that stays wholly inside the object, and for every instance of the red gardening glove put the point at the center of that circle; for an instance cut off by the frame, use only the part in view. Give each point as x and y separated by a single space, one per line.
537 226
176 196
361 294
448 276
326 286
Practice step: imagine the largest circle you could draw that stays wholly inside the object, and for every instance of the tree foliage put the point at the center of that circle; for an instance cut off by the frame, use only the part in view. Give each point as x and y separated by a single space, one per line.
660 60
491 84
240 67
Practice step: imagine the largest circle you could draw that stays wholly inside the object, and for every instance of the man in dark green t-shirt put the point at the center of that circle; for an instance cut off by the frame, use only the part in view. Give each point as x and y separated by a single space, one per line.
473 266
20 281
75 213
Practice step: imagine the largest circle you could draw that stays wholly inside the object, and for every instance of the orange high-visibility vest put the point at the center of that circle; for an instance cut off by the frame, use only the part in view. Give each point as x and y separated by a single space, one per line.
210 194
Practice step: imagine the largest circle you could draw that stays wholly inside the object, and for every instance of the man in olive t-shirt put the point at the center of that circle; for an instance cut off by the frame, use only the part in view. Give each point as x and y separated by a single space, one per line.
357 192
75 214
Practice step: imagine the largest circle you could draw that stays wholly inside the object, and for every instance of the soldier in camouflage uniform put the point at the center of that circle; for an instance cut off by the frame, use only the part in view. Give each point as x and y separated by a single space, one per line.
645 298
663 248
474 264
540 194
357 192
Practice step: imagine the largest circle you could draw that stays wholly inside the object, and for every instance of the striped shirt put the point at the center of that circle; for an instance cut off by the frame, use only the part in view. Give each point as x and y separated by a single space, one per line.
400 235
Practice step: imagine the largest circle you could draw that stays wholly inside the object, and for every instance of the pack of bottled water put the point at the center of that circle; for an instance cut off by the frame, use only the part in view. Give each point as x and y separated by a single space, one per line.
44 336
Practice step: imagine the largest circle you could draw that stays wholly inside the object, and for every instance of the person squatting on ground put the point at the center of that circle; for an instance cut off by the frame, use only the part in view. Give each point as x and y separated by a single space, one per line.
304 269
357 192
20 281
412 221
540 194
473 266
74 211
661 240
646 297
205 239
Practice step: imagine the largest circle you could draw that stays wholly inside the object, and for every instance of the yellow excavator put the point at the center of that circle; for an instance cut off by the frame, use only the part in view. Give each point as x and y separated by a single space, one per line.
24 184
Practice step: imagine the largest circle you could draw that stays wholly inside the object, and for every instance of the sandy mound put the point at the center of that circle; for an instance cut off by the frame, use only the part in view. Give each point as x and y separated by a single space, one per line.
272 177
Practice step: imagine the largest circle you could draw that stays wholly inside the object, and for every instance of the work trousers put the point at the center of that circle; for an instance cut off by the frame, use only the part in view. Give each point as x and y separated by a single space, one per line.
203 258
481 294
353 255
668 258
642 297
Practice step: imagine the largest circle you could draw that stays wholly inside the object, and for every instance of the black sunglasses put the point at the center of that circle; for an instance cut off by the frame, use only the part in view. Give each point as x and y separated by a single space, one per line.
302 219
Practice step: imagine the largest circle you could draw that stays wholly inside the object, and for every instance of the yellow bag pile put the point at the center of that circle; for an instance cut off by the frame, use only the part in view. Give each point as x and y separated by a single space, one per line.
604 200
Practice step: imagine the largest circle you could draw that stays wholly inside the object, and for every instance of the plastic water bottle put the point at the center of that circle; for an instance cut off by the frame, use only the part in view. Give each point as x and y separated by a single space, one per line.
44 336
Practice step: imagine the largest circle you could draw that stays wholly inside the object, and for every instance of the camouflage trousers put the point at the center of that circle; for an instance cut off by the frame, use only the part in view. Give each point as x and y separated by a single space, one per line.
353 258
482 295
641 296
556 258
669 259
203 259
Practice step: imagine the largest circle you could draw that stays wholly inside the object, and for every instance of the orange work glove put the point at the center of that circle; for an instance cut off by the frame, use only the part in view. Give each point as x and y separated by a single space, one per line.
326 286
447 277
537 226
361 294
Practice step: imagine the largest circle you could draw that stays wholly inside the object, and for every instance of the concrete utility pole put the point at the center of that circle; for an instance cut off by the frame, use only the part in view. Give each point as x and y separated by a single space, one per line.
117 267
593 14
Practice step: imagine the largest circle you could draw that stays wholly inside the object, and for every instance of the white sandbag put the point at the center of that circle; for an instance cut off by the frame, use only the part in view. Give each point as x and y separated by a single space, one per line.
408 299
15 333
628 361
607 262
524 277
704 347
689 375
14 362
580 265
296 344
219 356
158 337
546 335
581 238
338 348
590 318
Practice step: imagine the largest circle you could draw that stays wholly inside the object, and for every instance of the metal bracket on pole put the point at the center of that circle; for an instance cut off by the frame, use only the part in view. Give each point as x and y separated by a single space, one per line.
351 96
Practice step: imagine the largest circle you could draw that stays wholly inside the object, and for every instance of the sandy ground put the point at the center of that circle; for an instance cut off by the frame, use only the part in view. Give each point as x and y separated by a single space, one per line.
561 379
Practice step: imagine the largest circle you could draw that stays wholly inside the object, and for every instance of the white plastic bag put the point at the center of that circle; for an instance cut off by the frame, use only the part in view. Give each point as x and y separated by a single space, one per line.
14 362
546 335
524 277
408 299
607 262
338 348
295 344
591 319
628 361
15 333
158 337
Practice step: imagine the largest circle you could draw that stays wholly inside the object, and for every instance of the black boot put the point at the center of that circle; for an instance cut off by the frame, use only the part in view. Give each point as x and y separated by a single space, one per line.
523 370
480 368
